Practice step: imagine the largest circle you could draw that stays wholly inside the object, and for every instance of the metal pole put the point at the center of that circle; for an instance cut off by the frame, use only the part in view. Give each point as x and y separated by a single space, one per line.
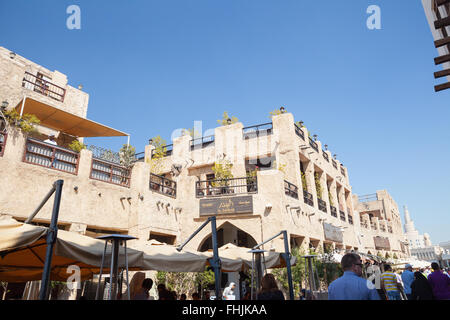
114 269
43 202
253 271
126 265
270 239
101 272
51 239
216 259
287 257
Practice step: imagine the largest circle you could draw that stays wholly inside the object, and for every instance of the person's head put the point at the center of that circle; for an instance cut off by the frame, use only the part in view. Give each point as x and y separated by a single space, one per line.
435 266
174 295
161 287
183 296
207 295
419 276
352 262
52 137
408 267
268 283
147 284
387 267
421 270
232 285
195 296
165 295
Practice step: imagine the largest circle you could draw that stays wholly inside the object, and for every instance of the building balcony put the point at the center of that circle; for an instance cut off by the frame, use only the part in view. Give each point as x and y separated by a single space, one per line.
350 219
257 130
202 142
299 132
110 172
313 144
226 187
322 205
167 151
50 156
334 163
333 211
290 190
308 198
163 185
43 87
325 156
342 215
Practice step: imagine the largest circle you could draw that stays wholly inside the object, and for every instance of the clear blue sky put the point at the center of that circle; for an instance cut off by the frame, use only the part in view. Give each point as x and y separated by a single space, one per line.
154 66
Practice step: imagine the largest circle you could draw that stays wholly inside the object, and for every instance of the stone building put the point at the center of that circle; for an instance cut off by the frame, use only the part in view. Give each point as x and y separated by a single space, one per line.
282 178
381 226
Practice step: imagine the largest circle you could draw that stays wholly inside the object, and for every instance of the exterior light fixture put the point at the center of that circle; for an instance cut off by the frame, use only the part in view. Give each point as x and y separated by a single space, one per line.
80 86
326 147
4 105
283 110
75 188
228 121
150 142
315 137
12 55
301 123
334 156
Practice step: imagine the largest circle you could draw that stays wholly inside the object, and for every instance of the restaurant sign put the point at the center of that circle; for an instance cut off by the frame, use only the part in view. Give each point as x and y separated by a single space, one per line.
333 233
381 243
234 205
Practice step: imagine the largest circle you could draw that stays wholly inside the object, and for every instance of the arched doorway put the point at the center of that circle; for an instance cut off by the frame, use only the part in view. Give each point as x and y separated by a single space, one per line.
228 233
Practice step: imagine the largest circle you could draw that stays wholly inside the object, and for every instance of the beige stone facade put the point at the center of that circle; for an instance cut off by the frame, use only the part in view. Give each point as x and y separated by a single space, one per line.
101 197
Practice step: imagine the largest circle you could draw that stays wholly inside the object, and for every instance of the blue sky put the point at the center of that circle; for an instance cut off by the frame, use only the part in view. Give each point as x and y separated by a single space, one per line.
153 66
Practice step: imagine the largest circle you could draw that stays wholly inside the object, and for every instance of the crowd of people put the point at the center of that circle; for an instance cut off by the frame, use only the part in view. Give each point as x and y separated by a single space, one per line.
423 284
269 291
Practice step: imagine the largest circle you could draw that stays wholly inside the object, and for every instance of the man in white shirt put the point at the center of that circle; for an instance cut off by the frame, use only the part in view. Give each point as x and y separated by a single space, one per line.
51 140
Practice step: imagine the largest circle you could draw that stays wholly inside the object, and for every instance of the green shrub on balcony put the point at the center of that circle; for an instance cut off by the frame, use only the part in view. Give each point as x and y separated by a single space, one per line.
304 184
159 152
224 120
127 155
319 188
77 146
27 123
222 171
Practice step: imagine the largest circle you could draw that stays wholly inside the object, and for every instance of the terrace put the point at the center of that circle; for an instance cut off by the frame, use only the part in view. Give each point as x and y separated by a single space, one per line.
220 187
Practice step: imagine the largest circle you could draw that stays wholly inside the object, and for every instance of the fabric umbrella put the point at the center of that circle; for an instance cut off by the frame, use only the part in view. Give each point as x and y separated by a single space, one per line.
163 257
23 250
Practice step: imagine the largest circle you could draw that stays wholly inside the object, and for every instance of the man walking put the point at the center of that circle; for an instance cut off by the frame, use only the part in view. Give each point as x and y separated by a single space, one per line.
407 278
389 283
351 286
439 282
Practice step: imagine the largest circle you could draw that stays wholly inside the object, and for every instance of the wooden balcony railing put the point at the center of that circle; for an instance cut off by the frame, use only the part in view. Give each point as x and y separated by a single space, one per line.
51 156
202 142
44 87
322 205
220 187
110 172
308 198
290 190
168 150
257 131
163 185
3 137
333 211
313 144
299 131
342 215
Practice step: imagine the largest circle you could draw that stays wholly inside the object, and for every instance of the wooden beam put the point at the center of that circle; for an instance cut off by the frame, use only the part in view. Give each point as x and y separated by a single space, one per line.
442 73
441 2
442 42
442 59
440 23
441 87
